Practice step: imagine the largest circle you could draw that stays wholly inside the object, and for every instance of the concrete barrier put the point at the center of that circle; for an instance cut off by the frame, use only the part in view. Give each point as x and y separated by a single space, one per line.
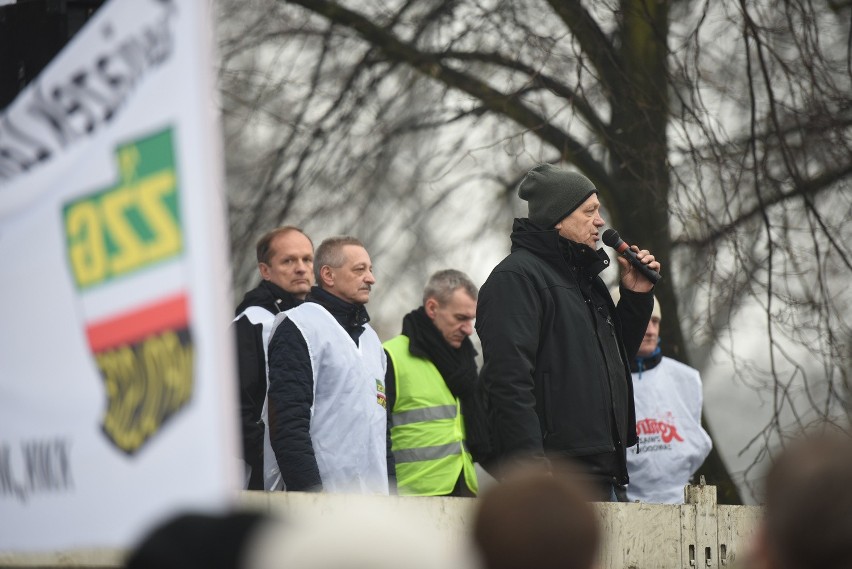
698 534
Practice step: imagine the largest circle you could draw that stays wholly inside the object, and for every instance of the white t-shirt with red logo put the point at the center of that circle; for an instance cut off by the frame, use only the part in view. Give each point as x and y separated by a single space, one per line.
672 443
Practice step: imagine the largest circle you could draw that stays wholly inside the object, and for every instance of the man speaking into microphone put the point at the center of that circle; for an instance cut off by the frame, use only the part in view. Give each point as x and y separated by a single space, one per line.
556 349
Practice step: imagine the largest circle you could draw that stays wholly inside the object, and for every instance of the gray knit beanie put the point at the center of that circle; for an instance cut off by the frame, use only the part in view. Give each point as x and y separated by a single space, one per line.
552 193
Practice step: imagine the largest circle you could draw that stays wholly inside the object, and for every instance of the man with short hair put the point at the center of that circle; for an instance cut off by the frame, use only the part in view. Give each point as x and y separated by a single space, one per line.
556 348
285 260
672 443
437 415
327 402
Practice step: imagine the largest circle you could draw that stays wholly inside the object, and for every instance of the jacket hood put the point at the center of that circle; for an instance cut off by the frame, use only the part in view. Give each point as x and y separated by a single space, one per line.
543 242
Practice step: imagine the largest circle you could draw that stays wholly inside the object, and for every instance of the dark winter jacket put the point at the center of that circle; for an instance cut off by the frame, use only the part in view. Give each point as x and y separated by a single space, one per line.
556 353
251 362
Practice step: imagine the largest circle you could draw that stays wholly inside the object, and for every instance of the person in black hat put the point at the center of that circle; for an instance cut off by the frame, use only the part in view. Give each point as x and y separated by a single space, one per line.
556 349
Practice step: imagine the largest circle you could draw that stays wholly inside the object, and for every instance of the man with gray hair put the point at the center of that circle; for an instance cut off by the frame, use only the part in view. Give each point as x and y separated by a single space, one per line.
327 402
438 423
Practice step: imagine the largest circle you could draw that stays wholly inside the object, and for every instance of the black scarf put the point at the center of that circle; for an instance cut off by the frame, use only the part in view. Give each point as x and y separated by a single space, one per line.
458 368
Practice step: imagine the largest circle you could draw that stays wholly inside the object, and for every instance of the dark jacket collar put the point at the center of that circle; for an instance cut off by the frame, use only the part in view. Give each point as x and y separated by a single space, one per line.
351 316
556 250
270 296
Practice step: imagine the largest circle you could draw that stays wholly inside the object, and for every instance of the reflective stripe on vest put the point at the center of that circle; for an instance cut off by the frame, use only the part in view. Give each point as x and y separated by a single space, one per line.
424 414
427 427
428 453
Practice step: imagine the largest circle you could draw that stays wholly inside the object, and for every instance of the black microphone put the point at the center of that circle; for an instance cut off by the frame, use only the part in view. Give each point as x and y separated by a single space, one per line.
610 237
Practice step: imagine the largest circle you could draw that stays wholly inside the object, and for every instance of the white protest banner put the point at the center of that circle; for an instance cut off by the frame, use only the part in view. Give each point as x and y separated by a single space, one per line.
117 390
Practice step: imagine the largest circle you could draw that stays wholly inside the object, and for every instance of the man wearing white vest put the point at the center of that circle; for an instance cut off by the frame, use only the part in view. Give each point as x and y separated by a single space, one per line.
285 260
439 425
672 443
327 401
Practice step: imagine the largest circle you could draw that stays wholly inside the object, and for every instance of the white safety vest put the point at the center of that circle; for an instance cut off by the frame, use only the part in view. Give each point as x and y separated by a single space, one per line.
348 418
271 473
672 443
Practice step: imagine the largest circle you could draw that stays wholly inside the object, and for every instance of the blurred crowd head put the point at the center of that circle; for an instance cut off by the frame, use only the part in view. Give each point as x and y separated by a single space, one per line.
808 504
371 534
538 516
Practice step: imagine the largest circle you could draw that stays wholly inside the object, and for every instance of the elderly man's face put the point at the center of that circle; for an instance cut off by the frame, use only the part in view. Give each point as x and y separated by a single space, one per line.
583 224
353 280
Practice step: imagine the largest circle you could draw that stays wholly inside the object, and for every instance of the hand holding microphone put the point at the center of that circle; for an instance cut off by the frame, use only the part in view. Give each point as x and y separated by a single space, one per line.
611 238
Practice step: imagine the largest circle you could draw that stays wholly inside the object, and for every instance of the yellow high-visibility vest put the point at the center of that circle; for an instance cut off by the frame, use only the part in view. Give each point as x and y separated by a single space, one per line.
427 428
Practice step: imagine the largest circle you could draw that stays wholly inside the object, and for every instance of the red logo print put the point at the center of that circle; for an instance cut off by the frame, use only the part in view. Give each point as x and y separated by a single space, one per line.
667 431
